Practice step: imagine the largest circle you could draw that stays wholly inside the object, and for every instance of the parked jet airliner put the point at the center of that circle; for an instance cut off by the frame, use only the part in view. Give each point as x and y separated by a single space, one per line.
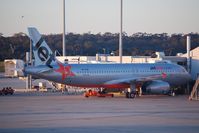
157 77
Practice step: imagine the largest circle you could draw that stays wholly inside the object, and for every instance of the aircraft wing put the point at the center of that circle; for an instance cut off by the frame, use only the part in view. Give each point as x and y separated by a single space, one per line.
152 77
137 79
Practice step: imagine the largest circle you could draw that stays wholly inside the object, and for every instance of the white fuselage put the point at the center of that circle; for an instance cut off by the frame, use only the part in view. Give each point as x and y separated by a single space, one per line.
97 75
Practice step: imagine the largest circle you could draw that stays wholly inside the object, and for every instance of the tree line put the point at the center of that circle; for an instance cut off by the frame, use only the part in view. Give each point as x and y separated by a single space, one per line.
87 44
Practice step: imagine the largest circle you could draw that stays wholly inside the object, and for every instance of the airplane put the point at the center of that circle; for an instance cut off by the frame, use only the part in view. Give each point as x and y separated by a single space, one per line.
156 77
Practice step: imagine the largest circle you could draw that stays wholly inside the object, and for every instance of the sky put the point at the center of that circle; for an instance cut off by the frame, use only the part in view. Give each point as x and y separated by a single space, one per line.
100 16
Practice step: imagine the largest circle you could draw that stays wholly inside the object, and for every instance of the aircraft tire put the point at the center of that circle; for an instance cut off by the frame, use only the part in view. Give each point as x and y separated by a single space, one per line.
132 95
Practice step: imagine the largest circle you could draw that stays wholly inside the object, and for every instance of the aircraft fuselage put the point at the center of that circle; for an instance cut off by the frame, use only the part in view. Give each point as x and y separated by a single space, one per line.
97 75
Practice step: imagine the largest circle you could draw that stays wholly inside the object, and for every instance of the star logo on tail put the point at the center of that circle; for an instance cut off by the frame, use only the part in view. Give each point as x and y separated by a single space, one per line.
65 71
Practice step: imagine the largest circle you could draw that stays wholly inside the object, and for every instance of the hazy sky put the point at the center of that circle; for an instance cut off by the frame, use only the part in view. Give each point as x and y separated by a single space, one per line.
151 16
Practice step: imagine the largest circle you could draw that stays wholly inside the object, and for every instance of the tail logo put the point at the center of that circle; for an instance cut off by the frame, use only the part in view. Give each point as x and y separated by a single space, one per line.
43 53
65 71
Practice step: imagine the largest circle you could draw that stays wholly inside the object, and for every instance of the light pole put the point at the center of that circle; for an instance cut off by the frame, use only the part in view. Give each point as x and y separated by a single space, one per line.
30 76
120 38
64 28
188 59
29 63
28 60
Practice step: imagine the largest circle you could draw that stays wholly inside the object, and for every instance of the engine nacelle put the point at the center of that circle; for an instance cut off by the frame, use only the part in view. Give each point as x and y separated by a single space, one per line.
158 87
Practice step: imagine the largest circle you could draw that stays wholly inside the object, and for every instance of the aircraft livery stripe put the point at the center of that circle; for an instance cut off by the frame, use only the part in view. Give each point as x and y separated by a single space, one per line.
38 44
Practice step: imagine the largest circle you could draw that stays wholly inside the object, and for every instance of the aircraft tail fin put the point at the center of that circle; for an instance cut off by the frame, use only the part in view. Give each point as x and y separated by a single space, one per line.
42 52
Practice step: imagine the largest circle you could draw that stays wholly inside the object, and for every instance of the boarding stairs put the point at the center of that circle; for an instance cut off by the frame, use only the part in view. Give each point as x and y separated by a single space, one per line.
195 91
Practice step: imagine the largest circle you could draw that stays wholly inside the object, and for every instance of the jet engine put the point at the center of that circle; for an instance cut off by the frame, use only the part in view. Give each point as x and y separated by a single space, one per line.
157 87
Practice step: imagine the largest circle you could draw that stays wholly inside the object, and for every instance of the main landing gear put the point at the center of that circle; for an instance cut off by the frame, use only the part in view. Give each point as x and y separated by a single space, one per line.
131 92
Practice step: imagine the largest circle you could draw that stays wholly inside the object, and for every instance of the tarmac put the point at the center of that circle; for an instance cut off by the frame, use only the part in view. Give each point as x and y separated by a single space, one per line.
56 112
